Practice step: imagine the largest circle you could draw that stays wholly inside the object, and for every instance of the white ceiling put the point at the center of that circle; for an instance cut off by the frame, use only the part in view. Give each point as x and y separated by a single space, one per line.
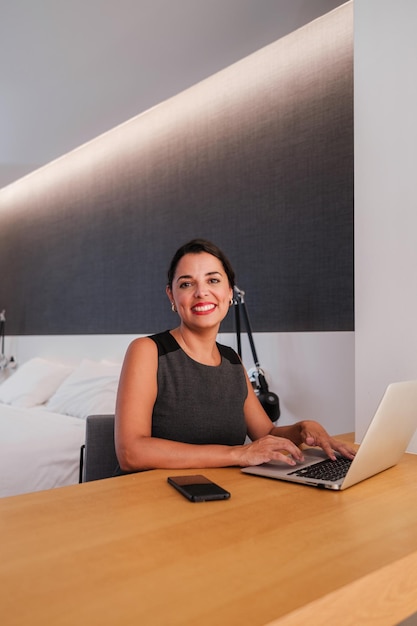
72 69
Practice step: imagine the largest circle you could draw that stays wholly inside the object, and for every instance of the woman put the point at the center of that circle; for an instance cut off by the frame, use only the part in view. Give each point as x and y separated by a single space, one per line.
185 401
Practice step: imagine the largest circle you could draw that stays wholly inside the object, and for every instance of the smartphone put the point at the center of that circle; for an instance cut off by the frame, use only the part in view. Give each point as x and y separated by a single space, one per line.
198 488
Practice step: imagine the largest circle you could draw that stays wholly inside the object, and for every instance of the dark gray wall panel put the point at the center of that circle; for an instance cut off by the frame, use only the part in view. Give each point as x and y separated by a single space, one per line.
258 158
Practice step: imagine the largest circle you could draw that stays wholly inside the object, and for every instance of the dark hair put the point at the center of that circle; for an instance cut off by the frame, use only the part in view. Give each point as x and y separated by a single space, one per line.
196 246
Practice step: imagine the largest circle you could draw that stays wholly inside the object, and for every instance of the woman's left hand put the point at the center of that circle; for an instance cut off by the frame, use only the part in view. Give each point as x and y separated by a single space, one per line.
313 434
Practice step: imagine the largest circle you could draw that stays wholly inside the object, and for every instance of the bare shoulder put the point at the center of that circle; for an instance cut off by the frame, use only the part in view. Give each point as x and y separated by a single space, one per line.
141 350
137 389
143 344
140 365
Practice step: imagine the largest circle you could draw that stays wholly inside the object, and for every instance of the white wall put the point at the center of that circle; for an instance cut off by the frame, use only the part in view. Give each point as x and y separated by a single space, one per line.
385 200
312 373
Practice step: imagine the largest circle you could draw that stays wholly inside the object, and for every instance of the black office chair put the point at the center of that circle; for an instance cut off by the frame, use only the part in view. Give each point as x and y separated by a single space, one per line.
98 456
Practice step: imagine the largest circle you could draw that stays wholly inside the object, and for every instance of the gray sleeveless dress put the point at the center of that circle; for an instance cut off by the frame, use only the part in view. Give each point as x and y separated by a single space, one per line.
197 403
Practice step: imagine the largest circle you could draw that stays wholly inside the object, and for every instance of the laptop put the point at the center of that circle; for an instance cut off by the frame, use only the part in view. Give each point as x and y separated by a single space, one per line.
383 445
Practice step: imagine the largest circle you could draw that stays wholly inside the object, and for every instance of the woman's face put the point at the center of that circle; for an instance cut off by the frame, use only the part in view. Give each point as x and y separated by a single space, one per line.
200 290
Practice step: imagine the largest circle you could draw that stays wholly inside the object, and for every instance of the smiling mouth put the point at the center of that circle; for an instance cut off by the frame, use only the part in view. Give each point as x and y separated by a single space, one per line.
203 308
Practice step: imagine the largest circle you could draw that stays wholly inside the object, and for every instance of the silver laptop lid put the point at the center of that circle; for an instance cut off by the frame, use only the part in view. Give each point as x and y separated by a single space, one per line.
388 434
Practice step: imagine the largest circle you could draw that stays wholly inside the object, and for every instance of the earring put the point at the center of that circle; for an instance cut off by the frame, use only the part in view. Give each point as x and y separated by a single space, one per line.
173 307
231 303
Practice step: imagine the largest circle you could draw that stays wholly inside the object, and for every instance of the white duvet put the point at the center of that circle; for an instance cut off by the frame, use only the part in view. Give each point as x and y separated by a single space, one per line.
38 449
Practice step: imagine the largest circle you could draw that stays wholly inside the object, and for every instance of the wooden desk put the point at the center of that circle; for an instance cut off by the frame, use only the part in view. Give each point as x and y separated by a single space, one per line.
131 550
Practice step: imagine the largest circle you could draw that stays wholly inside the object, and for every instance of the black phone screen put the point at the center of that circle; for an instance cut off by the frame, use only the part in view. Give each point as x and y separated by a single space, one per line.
198 488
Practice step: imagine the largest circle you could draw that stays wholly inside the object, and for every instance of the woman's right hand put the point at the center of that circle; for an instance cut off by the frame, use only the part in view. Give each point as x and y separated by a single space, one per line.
268 448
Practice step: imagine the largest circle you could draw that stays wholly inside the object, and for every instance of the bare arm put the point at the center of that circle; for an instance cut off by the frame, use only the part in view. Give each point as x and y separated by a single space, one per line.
306 432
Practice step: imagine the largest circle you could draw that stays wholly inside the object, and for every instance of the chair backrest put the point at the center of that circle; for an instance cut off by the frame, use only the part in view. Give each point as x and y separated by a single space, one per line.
99 459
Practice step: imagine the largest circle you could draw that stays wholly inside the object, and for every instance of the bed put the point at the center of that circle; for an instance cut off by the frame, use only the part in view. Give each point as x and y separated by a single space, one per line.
43 407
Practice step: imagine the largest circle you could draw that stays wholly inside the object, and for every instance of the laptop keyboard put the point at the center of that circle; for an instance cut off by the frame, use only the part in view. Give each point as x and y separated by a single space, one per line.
325 470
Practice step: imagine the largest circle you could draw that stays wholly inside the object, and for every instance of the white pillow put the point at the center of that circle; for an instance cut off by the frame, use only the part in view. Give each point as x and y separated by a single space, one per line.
33 383
90 390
